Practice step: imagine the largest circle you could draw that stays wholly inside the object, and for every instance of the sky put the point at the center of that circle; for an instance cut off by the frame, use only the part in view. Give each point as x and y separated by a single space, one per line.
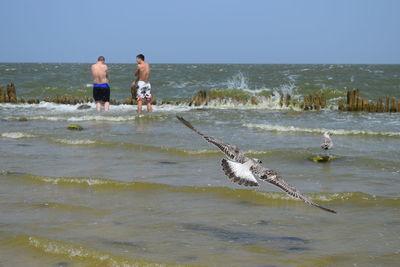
203 31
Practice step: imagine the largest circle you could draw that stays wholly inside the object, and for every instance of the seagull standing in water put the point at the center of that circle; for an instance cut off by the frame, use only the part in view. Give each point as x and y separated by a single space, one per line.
242 170
327 144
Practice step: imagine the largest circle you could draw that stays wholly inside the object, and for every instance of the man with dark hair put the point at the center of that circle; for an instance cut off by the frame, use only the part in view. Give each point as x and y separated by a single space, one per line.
141 56
142 83
101 90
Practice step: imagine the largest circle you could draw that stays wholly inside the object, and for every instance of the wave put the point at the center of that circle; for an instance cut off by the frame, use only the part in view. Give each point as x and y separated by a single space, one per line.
74 141
282 128
122 113
86 255
180 151
249 195
17 135
100 118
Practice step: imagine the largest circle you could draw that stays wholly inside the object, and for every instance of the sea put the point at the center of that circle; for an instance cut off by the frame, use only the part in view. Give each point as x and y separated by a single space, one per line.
132 190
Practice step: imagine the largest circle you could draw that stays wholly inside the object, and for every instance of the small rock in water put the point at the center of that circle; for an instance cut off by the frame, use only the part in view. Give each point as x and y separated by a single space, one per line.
23 119
75 127
167 162
322 158
83 107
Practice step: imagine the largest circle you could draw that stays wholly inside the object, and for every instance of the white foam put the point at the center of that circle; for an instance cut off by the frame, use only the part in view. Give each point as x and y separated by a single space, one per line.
17 135
282 128
85 118
74 141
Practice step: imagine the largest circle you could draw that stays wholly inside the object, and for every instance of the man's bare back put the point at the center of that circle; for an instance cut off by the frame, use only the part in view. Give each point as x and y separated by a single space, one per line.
143 71
101 89
99 72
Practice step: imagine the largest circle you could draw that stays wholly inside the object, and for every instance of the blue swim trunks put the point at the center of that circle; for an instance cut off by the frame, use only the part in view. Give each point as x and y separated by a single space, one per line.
101 92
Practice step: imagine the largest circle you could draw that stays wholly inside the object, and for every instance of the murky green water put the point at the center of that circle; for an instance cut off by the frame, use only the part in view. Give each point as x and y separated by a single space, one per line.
147 191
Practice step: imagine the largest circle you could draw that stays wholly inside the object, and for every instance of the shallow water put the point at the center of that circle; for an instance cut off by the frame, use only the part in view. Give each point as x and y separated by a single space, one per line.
130 190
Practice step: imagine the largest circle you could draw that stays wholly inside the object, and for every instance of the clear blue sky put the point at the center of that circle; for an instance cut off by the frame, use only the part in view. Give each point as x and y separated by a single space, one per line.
203 31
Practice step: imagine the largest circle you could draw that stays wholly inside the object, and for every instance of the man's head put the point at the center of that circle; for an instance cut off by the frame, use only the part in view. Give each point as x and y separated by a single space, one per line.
101 58
139 58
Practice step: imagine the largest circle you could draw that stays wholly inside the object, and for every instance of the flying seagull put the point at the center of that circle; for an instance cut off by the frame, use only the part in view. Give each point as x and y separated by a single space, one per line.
242 170
327 144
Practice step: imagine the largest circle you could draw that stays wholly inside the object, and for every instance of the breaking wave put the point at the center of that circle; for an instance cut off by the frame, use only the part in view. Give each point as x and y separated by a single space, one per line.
282 128
74 141
17 135
86 255
251 195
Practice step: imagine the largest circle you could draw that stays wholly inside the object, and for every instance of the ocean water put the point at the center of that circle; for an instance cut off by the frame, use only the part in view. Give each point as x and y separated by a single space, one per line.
147 191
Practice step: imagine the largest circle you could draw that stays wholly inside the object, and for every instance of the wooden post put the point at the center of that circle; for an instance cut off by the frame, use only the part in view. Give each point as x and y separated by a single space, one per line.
387 107
348 97
288 100
364 105
1 95
306 103
317 103
312 102
352 100
356 94
359 104
323 101
393 105
11 93
379 105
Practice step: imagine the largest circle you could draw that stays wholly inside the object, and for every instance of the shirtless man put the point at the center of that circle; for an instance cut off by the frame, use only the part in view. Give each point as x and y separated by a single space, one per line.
142 83
101 90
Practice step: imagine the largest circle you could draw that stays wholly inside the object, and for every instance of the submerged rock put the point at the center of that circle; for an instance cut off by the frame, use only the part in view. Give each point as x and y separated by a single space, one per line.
75 127
83 107
322 158
23 119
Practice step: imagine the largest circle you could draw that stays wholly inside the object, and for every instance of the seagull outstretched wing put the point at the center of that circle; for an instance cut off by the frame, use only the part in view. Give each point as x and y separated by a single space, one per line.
274 178
231 151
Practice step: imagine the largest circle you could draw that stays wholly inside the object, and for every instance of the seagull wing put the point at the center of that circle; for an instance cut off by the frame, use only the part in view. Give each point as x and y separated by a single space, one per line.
274 178
239 173
231 151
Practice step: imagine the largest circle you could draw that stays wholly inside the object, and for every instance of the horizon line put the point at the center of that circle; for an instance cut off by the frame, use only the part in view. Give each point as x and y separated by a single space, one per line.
190 63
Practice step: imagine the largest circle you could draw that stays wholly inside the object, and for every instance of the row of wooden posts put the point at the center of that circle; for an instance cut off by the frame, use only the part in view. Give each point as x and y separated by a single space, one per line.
9 94
354 102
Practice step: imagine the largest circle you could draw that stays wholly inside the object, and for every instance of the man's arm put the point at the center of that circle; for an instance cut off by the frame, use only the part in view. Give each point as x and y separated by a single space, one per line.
137 73
93 73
